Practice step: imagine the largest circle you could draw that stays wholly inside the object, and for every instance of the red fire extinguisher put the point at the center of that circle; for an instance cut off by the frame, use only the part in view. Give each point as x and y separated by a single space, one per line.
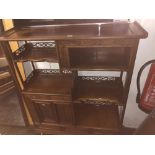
146 100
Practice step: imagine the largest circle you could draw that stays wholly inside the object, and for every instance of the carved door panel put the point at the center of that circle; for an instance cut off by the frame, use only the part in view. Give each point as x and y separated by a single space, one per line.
42 112
49 112
46 111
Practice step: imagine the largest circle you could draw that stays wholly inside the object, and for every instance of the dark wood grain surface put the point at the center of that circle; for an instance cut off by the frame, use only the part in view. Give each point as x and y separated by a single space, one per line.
36 22
96 116
90 31
99 57
52 84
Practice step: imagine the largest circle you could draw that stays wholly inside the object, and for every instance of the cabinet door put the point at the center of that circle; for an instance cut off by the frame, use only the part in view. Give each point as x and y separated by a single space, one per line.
65 113
46 111
42 111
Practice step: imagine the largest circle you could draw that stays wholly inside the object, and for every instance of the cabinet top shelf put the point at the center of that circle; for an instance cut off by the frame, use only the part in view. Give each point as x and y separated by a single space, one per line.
76 31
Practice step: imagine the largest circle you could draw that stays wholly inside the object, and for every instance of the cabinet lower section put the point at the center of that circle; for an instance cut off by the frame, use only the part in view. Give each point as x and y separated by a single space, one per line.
49 111
66 117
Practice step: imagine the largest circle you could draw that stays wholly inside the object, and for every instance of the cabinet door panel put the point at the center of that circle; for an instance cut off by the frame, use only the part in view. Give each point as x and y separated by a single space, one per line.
42 111
65 113
46 111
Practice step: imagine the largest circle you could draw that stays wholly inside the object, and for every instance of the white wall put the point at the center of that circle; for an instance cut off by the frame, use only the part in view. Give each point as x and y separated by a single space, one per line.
146 51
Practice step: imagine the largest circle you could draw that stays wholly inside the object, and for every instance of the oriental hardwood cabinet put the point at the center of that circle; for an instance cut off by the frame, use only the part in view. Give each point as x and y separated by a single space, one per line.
63 100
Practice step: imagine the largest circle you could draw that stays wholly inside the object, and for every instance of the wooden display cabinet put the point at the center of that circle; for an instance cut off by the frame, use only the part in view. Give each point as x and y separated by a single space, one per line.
60 101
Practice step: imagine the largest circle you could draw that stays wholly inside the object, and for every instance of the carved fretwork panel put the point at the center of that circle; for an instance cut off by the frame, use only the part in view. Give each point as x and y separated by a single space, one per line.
48 71
43 44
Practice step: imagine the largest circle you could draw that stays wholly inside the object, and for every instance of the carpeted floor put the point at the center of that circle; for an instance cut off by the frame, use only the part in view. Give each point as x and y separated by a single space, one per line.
11 121
10 113
16 130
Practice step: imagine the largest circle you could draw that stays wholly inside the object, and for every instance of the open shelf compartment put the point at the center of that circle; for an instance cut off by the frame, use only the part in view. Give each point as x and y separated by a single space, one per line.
36 51
99 57
101 117
101 90
46 81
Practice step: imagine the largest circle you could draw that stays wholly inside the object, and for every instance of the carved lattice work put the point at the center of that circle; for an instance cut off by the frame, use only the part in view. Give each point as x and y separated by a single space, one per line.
99 78
66 71
105 80
48 71
99 102
54 71
43 44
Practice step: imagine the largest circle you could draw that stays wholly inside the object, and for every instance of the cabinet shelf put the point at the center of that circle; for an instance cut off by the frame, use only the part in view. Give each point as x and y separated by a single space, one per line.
91 116
98 90
36 52
116 58
51 82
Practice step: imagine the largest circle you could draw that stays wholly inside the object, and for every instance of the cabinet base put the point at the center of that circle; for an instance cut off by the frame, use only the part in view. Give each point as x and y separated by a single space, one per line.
75 130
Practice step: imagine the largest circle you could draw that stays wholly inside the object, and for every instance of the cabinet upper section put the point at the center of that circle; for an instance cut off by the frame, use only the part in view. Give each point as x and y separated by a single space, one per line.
72 29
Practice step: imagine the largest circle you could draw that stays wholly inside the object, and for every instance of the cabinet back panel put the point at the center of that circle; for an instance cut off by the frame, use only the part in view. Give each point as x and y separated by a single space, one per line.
99 56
